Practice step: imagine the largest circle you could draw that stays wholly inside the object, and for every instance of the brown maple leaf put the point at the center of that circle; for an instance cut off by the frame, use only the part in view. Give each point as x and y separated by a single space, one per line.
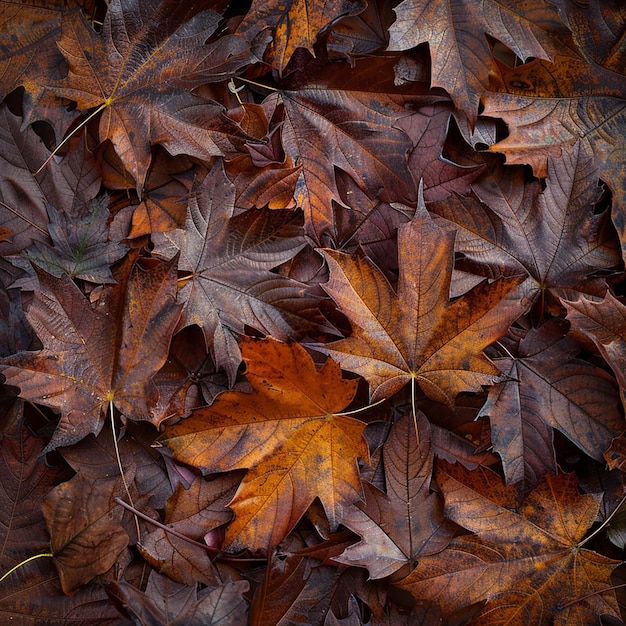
527 563
290 436
406 522
508 226
86 535
548 107
229 259
139 71
95 355
354 131
456 33
415 333
548 388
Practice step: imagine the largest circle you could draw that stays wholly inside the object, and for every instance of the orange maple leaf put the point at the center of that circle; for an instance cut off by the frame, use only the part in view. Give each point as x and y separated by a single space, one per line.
287 434
416 333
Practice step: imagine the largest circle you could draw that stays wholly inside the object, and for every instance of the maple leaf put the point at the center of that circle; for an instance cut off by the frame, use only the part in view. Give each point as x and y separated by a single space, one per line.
455 31
508 226
95 355
356 132
24 196
548 107
81 246
139 71
548 388
86 536
229 260
293 23
407 522
193 513
289 436
416 333
528 562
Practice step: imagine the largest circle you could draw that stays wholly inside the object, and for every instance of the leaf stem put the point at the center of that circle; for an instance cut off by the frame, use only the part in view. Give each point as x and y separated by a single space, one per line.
71 134
18 214
363 408
171 531
119 465
604 523
28 560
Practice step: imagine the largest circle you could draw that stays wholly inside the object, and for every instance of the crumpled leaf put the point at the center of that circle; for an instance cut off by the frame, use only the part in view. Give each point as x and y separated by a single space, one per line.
548 388
289 434
229 260
140 69
526 562
293 24
456 32
407 522
97 354
415 332
168 602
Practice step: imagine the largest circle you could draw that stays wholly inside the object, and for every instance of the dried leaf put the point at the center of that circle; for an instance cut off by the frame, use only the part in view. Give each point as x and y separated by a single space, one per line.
289 434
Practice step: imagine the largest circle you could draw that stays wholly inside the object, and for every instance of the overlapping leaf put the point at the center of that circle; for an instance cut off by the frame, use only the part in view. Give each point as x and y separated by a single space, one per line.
97 354
140 69
356 132
407 522
290 435
415 332
548 388
229 260
527 563
508 226
456 33
291 24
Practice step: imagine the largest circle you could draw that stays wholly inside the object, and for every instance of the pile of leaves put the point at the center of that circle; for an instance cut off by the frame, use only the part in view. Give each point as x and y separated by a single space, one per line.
311 312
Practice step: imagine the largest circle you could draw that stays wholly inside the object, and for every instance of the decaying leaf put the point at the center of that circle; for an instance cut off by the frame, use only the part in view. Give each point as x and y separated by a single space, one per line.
97 354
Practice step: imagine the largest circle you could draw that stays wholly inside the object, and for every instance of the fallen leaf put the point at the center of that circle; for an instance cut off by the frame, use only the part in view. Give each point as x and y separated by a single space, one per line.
97 354
289 434
356 132
168 602
415 332
604 323
407 522
139 71
548 388
508 226
86 536
229 261
527 563
456 33
292 23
